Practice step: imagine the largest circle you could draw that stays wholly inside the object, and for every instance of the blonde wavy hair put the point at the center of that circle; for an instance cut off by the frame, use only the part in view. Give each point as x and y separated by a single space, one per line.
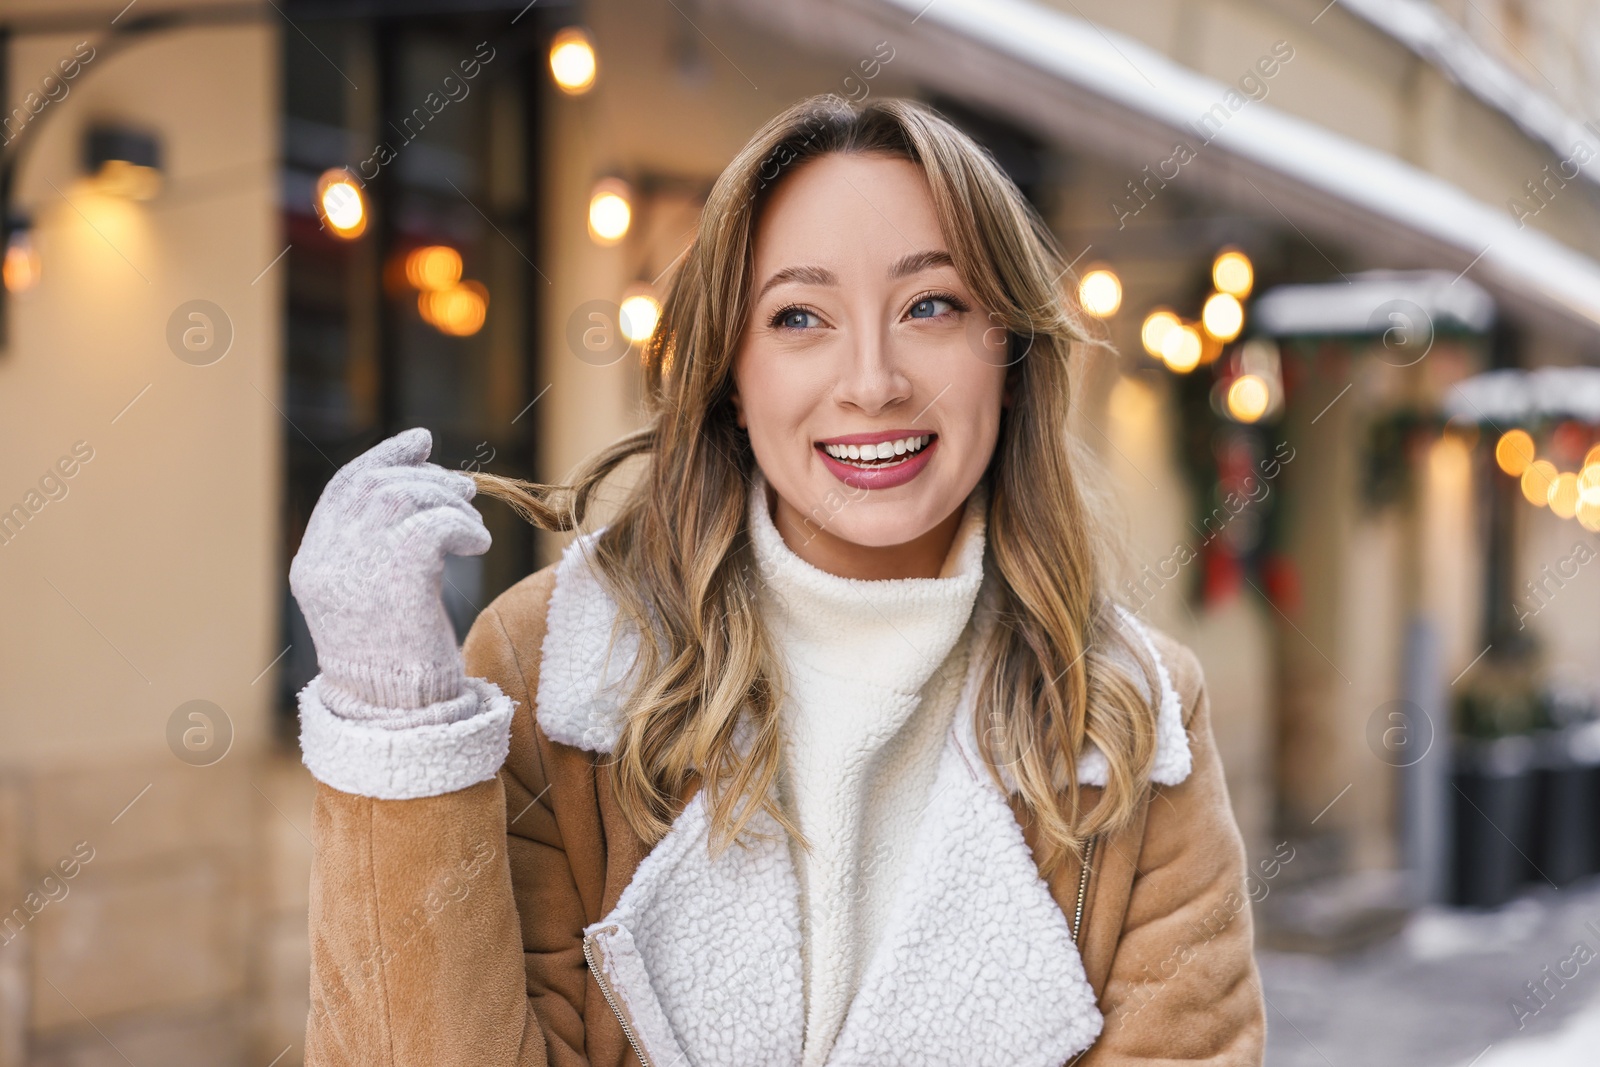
677 556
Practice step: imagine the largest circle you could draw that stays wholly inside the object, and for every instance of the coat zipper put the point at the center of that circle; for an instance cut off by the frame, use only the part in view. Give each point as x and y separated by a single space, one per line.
605 991
1083 889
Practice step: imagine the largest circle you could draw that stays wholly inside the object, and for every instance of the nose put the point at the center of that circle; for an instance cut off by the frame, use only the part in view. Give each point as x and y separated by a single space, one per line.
870 376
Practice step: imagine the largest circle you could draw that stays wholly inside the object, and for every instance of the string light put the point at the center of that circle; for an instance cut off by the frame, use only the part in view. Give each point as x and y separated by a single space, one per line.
572 61
459 311
1100 293
610 211
638 316
1589 483
1232 273
1247 398
1537 480
1223 316
1514 451
1563 495
1180 349
433 267
1156 326
341 204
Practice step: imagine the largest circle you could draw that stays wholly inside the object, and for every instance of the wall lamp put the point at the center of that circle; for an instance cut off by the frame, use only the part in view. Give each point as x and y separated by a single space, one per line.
123 161
127 162
19 270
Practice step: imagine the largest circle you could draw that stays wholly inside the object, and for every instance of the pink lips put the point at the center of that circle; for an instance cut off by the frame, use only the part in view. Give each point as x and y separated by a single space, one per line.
887 477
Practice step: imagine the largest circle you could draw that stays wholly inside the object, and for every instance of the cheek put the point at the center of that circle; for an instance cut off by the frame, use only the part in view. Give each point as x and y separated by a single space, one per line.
970 390
987 339
771 394
779 395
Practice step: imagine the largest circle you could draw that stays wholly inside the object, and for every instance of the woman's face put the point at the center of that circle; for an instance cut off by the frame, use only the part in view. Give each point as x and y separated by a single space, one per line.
868 377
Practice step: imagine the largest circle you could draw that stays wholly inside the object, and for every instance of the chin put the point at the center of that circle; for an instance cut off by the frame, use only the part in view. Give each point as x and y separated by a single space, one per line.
886 523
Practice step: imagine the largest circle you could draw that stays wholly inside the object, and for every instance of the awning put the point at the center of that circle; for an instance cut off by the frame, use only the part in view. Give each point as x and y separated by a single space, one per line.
1510 397
1081 85
1374 302
1430 33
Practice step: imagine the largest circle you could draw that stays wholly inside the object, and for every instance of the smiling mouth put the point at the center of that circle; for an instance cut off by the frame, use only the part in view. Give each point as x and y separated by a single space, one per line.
880 455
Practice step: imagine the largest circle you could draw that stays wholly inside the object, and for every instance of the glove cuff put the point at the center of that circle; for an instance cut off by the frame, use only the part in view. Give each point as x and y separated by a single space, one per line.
394 685
348 706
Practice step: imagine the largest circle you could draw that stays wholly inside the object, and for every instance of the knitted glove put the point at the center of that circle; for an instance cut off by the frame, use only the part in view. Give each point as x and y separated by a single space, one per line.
367 578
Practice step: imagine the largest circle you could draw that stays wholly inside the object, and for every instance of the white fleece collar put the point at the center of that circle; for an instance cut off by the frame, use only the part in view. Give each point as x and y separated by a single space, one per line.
976 964
582 679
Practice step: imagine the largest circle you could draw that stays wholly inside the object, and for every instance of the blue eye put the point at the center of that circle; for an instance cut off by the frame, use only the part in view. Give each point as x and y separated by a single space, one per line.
792 318
923 309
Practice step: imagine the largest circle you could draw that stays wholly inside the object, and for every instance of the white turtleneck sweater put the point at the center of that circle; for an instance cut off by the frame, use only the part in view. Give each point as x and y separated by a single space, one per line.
871 674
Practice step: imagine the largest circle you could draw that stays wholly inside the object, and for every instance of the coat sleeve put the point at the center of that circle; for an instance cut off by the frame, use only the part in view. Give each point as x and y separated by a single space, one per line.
1183 987
420 940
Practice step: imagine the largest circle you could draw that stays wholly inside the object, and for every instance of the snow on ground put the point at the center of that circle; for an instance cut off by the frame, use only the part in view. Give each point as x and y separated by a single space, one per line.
1442 993
1576 1044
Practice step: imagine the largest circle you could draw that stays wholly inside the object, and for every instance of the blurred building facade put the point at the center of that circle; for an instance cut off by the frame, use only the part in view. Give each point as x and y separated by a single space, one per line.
203 354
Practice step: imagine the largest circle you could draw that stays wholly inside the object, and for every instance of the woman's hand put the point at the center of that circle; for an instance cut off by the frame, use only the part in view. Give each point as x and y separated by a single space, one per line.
367 578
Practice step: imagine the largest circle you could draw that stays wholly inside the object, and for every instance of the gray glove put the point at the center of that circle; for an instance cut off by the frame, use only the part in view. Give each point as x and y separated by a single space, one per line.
367 578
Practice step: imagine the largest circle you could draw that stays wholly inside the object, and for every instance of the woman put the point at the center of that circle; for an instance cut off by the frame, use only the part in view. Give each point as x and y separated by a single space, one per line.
832 748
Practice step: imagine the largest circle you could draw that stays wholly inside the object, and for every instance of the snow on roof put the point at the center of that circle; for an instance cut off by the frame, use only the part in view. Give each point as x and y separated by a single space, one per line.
1503 397
1374 302
1135 76
1431 34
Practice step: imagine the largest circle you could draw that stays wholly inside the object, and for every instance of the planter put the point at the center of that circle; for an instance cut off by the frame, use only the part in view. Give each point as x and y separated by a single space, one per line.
1495 794
1567 805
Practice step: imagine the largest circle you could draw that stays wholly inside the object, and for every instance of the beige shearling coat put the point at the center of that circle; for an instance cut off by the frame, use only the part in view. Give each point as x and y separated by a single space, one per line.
518 920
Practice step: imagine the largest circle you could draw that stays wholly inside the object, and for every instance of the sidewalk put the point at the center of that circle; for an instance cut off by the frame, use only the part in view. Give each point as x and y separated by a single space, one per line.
1442 994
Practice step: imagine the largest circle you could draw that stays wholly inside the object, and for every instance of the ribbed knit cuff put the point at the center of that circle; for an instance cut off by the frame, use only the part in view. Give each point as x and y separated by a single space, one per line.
404 685
402 764
349 706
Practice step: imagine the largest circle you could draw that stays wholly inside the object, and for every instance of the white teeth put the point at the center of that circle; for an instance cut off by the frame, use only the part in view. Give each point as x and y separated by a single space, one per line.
872 453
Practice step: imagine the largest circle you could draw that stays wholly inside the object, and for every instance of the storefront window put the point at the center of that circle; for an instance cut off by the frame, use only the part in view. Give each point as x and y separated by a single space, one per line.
411 301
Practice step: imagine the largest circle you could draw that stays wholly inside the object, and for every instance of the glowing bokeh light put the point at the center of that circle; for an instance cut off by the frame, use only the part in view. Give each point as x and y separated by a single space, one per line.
1100 293
572 61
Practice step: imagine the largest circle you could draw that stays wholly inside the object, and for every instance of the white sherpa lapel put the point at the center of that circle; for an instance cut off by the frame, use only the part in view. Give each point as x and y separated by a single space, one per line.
1173 759
581 677
702 955
975 966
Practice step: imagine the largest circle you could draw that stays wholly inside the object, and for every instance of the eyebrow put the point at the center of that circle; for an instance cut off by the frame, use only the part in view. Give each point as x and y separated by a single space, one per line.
907 265
917 262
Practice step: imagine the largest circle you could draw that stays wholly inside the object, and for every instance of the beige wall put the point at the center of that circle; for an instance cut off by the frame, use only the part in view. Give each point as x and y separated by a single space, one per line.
154 580
169 536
